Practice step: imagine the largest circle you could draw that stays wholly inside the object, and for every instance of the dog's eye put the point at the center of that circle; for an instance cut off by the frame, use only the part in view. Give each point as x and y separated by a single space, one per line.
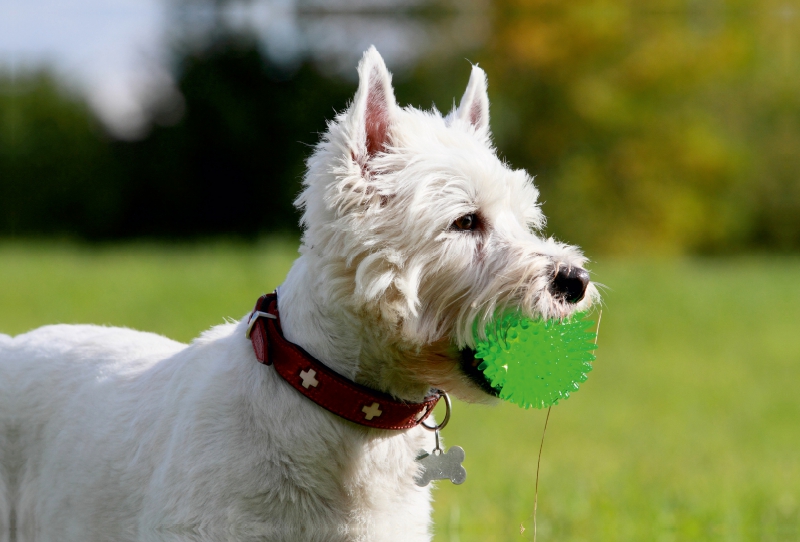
466 222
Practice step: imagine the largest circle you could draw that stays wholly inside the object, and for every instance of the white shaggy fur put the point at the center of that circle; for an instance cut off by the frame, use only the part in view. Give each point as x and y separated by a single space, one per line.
112 434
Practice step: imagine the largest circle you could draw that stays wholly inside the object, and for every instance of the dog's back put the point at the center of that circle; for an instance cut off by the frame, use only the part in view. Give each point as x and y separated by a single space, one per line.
60 383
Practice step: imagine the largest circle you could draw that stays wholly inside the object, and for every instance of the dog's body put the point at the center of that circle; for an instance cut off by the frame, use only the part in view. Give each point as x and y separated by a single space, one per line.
414 233
130 436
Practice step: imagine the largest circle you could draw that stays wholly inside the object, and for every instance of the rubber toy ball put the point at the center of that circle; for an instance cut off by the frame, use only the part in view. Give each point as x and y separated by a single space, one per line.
536 363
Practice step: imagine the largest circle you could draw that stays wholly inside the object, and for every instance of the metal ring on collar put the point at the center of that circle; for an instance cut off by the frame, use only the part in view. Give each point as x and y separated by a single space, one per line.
446 419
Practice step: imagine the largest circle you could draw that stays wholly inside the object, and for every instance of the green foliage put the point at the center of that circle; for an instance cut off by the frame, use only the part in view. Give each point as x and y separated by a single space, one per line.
230 165
664 129
686 431
57 175
233 162
660 127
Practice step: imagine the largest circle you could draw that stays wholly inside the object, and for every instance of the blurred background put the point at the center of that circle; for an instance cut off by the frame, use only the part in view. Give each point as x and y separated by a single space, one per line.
669 128
150 151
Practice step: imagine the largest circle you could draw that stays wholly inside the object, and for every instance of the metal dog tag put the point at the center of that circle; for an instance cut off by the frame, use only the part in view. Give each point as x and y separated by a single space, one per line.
439 465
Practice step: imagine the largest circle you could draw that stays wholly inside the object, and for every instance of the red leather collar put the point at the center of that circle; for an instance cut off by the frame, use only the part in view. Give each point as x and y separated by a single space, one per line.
327 388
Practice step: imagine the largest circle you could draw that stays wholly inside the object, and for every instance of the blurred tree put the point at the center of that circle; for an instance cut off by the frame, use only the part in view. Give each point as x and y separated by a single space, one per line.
770 118
231 164
610 108
234 161
57 174
649 128
662 131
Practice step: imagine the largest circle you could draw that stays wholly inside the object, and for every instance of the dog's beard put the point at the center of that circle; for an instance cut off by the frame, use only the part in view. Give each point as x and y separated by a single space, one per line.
448 361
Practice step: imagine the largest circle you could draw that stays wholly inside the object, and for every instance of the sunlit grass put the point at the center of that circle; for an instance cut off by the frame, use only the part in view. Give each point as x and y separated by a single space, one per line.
687 429
175 290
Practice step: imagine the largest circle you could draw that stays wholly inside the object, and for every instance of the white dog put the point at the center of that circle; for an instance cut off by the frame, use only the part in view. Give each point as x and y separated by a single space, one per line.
414 233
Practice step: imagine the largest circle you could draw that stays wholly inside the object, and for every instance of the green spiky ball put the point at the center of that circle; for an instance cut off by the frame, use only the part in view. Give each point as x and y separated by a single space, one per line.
536 363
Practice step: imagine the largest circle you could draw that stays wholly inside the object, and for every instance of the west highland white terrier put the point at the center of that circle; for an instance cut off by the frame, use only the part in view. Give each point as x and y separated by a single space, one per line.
414 233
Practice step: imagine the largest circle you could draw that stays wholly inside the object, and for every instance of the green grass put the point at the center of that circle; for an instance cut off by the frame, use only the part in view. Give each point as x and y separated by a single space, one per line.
687 429
175 290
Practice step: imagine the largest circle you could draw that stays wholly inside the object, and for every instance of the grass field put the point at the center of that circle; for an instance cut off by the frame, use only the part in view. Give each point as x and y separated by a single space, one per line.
687 429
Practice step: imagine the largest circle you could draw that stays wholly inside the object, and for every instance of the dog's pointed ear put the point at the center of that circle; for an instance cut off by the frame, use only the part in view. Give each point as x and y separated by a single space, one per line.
373 108
474 107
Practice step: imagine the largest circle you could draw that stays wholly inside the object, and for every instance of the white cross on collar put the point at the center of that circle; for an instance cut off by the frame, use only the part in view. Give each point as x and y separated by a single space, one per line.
308 378
372 411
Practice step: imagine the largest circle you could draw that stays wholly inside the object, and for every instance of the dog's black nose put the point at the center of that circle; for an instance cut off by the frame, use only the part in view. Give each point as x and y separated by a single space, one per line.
570 283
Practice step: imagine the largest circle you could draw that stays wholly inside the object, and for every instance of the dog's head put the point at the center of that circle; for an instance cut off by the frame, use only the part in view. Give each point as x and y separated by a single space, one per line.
423 234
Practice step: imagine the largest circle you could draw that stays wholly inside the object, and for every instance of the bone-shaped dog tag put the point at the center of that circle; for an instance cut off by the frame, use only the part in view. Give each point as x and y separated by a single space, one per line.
439 465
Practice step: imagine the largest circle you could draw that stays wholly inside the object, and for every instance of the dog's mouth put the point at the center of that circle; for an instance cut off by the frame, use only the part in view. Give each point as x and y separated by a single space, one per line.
469 366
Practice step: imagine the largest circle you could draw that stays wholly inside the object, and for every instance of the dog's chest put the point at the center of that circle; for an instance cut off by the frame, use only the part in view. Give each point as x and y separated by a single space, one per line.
385 500
357 489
